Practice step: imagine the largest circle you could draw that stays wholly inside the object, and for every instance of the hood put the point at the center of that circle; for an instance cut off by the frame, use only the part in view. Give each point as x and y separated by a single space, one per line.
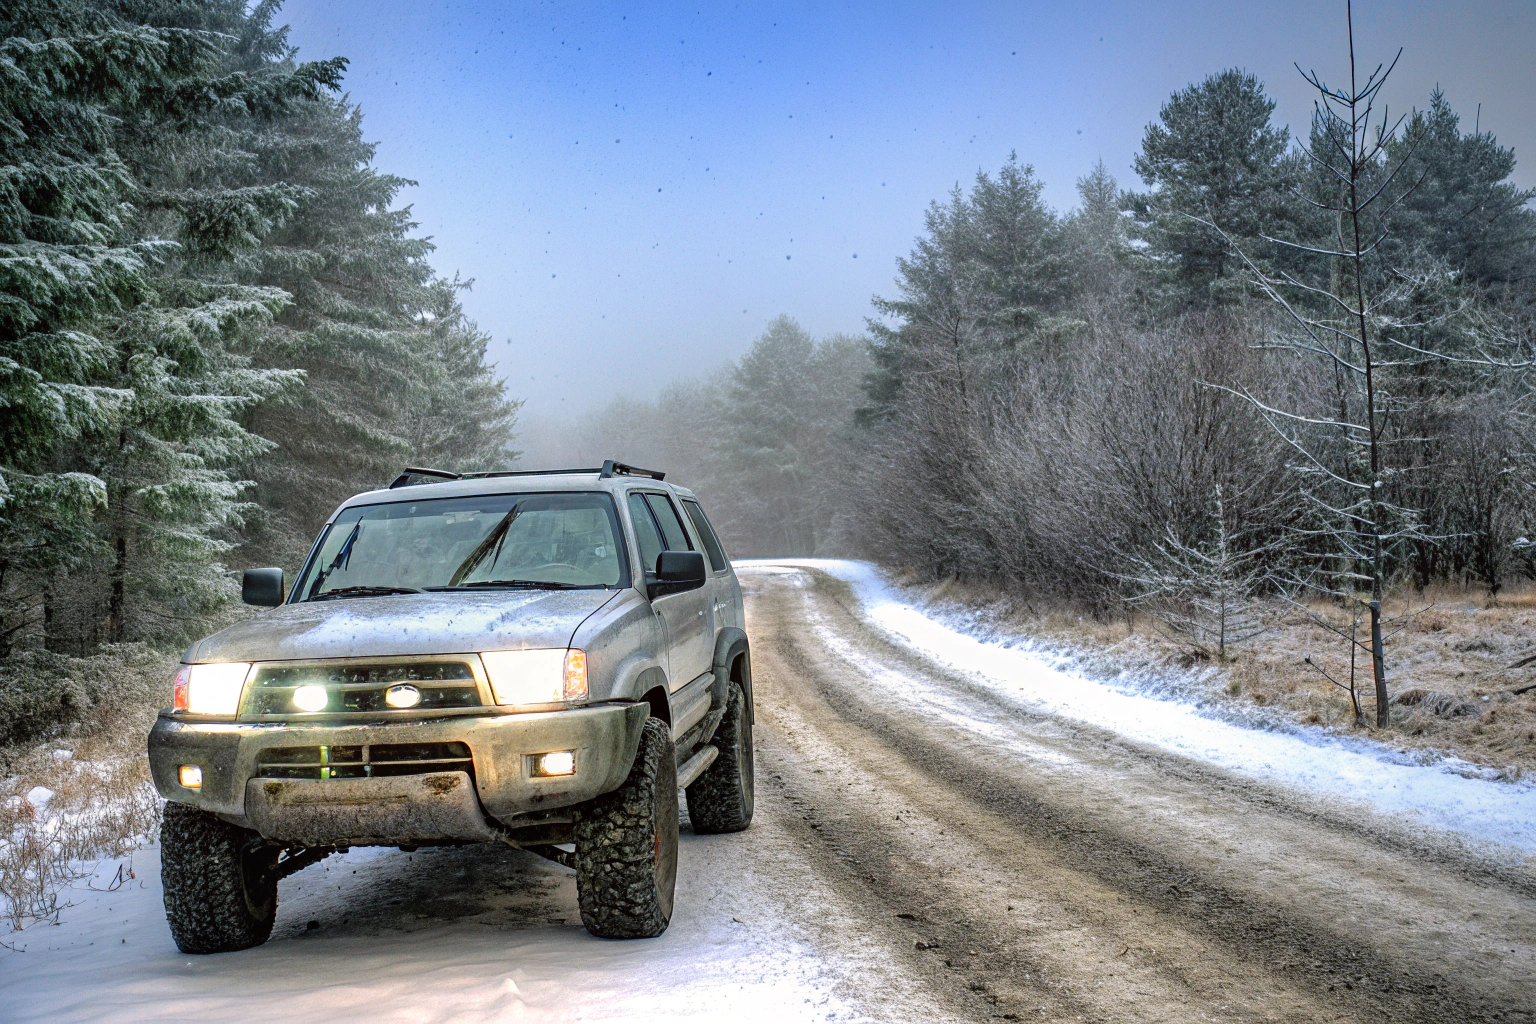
372 627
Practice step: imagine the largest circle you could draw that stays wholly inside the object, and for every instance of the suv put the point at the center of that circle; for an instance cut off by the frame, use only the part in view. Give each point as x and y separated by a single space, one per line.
535 659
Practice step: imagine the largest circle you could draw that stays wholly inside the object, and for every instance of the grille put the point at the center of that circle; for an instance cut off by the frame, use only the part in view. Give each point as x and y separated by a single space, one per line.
369 761
361 687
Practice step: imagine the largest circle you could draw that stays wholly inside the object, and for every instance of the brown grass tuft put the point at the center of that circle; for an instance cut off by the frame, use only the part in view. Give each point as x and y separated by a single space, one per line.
102 806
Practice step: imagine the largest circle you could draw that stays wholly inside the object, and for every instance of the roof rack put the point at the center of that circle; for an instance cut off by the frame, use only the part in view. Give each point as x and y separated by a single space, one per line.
608 469
404 479
611 468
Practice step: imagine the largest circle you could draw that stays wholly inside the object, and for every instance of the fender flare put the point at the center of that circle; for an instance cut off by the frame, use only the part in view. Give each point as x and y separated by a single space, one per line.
649 681
730 644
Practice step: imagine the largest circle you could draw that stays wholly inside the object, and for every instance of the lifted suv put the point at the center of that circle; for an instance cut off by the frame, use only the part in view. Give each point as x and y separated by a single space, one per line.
535 659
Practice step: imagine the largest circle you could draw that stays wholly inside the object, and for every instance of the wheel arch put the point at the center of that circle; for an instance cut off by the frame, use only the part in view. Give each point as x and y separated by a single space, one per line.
733 664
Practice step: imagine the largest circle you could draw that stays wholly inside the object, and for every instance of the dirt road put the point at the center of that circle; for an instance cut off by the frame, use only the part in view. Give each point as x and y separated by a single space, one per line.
923 850
1022 867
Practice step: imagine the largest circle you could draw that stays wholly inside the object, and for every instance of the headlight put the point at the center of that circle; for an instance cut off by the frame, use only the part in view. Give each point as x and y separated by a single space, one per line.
210 689
556 676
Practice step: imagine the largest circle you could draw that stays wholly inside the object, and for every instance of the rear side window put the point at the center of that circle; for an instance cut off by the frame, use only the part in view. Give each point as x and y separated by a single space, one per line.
706 534
646 535
671 525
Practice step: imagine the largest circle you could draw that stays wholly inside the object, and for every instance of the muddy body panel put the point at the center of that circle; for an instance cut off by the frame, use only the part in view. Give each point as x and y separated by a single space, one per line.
363 812
451 777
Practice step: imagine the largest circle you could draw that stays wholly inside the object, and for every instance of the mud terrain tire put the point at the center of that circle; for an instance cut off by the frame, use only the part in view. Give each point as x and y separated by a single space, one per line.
626 846
721 799
219 893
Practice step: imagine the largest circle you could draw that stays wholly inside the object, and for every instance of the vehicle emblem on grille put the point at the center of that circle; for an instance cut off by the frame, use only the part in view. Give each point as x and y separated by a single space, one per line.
402 696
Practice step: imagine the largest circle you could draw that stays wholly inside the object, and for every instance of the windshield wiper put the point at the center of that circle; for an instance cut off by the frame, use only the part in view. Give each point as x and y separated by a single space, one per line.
524 584
362 592
492 541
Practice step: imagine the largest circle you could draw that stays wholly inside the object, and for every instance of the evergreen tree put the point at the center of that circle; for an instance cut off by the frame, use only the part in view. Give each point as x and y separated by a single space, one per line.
1463 210
116 429
1096 236
1213 155
989 269
190 233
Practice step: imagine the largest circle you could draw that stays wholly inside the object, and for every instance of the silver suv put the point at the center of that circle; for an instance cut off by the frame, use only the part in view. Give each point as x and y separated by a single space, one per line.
535 659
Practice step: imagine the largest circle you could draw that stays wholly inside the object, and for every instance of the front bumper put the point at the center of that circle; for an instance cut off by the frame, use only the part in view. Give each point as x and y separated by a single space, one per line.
421 807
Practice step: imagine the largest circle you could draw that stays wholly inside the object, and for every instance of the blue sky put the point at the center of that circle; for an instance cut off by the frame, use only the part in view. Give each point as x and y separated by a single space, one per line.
637 189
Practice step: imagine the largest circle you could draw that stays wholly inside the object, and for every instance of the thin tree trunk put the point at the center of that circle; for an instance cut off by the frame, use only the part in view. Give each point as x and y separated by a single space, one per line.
1378 667
117 624
1378 527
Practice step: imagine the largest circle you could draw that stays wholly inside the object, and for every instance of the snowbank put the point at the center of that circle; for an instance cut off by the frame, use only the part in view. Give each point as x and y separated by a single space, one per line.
1445 795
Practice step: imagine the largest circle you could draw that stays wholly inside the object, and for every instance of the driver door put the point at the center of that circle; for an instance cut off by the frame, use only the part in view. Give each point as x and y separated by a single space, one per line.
684 616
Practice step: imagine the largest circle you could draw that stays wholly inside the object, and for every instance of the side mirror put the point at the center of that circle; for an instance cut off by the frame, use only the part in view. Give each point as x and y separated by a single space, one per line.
677 571
262 587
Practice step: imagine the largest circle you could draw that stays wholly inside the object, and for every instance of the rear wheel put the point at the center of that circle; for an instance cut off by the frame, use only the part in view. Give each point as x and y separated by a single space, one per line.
626 846
720 800
220 894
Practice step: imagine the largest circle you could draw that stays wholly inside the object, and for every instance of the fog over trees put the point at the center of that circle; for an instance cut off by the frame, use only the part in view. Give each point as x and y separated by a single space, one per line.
1284 370
217 320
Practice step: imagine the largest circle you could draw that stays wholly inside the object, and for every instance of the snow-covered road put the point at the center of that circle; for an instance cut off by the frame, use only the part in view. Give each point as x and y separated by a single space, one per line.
1446 795
947 828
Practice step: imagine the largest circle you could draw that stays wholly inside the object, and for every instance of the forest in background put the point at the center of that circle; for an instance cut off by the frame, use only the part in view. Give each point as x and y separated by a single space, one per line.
215 323
1293 368
1285 366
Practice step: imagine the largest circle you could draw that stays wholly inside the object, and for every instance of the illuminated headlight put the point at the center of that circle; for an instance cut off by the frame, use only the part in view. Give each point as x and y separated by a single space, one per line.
311 698
190 776
556 676
209 689
556 762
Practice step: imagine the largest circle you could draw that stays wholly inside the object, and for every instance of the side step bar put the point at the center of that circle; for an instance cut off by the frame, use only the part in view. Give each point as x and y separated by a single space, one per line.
694 767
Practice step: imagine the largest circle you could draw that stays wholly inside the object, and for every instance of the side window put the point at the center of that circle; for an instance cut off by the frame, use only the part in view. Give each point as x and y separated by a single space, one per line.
646 536
671 526
706 534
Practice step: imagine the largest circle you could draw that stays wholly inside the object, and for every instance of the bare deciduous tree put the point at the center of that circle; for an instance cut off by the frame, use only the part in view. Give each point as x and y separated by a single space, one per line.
1203 596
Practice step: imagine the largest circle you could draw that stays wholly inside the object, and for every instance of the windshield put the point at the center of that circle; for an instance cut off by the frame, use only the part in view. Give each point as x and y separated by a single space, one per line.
497 540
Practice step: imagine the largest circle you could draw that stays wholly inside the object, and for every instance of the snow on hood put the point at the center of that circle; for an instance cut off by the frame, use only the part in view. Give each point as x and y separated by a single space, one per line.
444 623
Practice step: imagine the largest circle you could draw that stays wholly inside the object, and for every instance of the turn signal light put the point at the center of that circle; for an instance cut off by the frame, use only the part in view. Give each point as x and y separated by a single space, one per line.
575 687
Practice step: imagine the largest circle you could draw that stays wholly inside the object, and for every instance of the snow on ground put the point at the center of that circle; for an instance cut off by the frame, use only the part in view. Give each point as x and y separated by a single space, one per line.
1445 796
448 935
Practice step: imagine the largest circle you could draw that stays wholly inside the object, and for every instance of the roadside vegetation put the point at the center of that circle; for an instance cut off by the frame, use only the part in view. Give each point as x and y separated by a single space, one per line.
1279 394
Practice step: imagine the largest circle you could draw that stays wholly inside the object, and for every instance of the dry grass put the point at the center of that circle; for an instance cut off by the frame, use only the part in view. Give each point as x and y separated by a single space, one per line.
101 806
1447 665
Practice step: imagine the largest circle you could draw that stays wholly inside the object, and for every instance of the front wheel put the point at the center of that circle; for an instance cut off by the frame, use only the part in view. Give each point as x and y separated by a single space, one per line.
220 894
626 846
720 800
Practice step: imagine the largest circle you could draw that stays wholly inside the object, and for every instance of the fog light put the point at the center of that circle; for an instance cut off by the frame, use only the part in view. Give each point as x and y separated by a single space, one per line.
311 698
556 762
191 776
402 696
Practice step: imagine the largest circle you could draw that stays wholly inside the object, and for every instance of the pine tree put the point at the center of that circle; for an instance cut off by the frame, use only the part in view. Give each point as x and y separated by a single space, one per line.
71 266
1096 237
1464 210
1213 155
990 268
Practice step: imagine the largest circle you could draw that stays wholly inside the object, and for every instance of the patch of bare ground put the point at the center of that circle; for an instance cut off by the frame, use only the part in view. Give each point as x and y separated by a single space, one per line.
1451 663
